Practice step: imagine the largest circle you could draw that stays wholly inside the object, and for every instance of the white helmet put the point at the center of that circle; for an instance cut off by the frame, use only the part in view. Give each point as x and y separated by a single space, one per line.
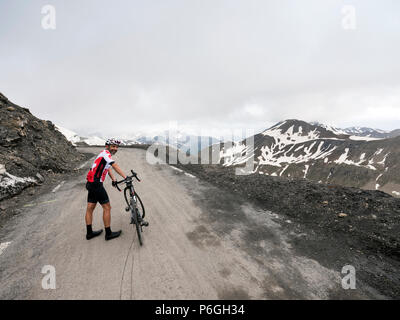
113 141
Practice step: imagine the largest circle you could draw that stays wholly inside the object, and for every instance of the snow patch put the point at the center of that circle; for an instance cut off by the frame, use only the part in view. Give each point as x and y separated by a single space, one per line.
8 180
176 169
3 246
190 175
343 160
360 138
283 170
343 157
384 159
306 170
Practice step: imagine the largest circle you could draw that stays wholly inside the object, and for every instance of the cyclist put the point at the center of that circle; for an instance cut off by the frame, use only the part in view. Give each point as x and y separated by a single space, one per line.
96 192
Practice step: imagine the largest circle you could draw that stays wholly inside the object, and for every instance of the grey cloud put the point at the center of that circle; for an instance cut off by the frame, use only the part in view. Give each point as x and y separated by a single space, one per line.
127 65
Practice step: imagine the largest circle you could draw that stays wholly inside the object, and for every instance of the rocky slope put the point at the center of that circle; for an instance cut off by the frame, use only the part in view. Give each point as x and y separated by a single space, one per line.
297 149
30 149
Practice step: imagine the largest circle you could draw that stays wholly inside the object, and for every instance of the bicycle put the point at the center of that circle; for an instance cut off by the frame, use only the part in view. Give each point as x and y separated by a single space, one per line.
136 215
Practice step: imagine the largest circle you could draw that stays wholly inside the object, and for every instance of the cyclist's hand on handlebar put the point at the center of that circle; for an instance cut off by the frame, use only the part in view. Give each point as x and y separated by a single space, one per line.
115 185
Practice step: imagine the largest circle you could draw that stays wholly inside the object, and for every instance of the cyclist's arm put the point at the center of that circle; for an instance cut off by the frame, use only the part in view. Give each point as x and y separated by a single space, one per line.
118 170
111 174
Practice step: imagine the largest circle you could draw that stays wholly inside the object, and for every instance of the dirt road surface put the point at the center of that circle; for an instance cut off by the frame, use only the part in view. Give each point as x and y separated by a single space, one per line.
202 243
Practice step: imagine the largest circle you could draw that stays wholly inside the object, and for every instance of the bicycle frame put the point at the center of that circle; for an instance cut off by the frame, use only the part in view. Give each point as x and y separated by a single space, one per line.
135 196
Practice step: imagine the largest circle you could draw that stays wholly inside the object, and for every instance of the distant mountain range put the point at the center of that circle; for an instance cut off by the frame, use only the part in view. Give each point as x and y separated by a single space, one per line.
361 131
178 139
78 140
182 140
298 149
357 157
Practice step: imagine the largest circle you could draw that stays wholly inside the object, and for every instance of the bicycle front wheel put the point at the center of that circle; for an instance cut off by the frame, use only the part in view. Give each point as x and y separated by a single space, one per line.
143 212
135 216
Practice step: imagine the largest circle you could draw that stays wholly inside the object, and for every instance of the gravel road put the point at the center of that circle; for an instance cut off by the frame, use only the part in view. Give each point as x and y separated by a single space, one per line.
202 243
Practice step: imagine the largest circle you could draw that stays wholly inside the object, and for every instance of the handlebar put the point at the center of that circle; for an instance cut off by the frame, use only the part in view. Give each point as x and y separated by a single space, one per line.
128 178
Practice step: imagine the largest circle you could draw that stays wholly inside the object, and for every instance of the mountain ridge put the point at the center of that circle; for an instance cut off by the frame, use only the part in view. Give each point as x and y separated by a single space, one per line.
298 149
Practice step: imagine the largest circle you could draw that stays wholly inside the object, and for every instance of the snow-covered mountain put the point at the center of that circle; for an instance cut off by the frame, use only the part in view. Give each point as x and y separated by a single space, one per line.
367 132
298 149
77 140
335 130
360 133
93 140
69 135
177 139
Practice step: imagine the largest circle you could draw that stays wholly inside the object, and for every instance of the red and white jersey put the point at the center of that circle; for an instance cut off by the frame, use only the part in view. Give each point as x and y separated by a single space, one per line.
100 167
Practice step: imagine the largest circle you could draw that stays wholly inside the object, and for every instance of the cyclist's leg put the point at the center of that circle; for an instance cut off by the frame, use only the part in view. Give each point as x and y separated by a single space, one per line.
106 214
105 203
91 205
107 222
89 212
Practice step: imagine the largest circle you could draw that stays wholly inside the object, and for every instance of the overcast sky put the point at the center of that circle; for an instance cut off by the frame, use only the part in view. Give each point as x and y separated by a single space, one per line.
115 67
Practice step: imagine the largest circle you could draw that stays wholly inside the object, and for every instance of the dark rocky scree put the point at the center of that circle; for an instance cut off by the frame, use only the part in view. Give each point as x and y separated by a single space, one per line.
30 148
373 216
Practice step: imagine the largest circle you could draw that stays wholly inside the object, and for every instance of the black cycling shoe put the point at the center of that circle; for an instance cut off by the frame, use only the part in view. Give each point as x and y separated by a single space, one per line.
113 235
93 234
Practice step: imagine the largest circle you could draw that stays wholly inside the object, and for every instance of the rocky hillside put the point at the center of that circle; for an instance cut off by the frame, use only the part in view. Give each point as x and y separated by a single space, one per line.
297 149
30 149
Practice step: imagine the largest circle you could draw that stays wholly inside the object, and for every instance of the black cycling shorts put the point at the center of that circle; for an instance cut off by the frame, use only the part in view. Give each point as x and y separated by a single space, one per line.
96 193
